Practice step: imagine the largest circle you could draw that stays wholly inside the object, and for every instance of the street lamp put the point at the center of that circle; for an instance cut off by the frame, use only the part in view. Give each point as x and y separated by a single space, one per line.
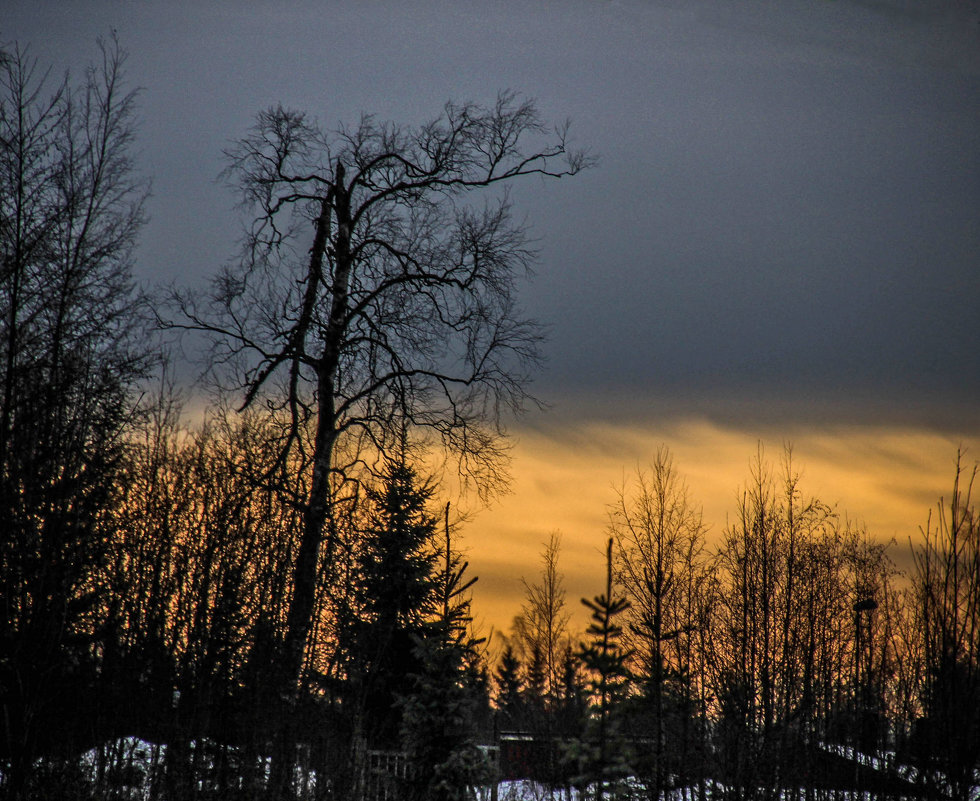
862 605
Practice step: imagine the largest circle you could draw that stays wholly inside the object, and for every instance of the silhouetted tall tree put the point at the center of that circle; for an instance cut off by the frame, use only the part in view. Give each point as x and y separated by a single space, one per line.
540 631
660 543
571 700
946 586
603 753
542 625
395 594
442 709
509 685
370 301
71 206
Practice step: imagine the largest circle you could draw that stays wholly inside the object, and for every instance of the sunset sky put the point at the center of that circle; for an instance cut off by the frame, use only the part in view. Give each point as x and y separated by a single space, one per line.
780 243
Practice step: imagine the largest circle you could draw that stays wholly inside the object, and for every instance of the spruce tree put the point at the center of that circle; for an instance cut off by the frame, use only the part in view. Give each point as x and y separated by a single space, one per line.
535 692
509 688
602 754
572 702
439 714
395 592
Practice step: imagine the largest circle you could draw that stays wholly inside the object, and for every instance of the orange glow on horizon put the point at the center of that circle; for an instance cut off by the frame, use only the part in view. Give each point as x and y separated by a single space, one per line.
886 479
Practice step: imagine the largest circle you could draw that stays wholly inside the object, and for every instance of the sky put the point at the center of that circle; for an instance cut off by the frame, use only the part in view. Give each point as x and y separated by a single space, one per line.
780 242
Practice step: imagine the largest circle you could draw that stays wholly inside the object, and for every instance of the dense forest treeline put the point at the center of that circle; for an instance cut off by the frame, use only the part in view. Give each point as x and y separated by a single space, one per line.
271 602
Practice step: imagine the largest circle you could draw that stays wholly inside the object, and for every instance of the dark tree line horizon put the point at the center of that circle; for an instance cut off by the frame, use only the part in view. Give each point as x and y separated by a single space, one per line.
260 604
762 662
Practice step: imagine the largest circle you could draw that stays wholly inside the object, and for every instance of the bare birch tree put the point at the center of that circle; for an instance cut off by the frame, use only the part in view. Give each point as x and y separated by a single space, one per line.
371 300
946 609
659 563
543 622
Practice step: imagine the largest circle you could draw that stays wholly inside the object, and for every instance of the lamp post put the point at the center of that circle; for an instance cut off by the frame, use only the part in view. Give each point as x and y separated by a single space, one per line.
861 692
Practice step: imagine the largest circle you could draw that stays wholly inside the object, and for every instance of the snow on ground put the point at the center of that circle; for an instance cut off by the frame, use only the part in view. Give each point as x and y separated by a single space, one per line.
133 761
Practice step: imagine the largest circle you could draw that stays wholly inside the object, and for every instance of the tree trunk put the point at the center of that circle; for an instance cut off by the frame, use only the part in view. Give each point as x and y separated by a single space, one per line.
303 600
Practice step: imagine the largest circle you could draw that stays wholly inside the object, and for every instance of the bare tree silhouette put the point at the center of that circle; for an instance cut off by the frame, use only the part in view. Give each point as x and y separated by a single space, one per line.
371 300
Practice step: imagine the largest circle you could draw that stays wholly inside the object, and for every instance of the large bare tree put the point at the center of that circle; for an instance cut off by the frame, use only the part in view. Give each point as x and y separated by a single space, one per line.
71 207
373 300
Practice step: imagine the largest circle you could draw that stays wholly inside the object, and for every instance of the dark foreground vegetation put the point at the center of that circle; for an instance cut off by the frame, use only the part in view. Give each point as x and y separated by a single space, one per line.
270 603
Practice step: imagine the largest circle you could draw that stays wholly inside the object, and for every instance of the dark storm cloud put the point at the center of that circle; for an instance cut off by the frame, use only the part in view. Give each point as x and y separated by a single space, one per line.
786 204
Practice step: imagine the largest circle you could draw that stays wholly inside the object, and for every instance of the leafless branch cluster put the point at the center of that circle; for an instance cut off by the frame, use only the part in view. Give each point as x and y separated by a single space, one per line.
370 295
373 306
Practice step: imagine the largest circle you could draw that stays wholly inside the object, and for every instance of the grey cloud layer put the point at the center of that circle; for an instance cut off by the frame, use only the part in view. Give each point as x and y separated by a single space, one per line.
787 198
